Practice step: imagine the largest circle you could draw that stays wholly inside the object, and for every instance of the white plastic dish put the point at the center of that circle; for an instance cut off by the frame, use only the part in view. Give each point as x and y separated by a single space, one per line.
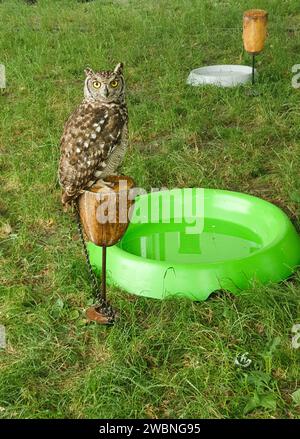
220 75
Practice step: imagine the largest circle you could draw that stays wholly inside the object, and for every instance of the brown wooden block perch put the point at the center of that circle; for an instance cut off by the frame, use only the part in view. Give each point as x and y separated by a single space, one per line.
111 204
255 30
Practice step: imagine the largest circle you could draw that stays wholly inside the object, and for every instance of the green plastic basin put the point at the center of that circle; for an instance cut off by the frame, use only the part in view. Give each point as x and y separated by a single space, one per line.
235 239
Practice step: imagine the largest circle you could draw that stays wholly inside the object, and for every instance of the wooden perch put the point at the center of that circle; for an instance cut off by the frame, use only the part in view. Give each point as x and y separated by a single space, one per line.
255 30
104 211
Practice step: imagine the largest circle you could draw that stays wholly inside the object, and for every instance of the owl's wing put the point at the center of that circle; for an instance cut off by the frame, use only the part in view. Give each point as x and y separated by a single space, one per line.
79 126
117 154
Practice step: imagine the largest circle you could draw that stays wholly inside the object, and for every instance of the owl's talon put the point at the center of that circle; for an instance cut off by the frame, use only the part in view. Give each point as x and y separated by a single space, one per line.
101 184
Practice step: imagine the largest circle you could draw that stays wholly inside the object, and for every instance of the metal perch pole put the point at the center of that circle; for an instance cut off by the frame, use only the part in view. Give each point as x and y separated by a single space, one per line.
253 68
103 279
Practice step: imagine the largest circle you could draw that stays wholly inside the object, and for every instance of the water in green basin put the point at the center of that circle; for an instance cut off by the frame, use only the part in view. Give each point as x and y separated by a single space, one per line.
219 241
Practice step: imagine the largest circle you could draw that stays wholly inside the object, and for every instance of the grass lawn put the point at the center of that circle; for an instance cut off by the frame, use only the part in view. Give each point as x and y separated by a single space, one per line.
162 359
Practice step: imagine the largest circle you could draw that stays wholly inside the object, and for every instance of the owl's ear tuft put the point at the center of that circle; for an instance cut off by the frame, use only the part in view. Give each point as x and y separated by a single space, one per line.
88 72
119 68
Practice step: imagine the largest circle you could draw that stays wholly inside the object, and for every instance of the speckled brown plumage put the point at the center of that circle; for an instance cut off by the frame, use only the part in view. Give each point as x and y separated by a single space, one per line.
94 140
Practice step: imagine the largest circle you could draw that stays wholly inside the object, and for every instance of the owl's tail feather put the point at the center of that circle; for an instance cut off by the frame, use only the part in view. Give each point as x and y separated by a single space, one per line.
68 200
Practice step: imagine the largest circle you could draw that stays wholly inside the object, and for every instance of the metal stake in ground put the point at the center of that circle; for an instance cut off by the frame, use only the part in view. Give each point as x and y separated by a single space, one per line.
253 68
103 279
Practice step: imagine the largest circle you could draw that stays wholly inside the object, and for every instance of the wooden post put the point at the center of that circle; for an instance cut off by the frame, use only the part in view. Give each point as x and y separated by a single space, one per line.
104 211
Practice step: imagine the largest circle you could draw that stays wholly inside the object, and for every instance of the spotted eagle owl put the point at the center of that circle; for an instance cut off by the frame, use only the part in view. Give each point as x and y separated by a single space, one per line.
95 136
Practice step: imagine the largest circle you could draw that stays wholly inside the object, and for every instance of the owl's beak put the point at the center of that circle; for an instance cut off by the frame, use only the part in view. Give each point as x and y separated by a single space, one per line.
105 91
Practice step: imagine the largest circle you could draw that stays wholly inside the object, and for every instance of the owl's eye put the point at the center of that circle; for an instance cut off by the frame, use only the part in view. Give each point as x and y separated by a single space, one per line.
114 83
96 84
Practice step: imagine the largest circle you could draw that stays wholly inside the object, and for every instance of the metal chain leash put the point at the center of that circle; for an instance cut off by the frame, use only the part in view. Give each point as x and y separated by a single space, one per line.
103 305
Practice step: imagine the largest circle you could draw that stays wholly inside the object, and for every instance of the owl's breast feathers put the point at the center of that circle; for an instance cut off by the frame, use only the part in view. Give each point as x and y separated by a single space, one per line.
90 135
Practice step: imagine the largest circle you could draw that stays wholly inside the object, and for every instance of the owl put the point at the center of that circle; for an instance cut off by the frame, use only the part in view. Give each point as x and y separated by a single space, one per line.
95 136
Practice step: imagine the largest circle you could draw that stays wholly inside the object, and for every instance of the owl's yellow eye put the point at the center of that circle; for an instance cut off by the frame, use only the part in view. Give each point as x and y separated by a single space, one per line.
114 83
96 84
